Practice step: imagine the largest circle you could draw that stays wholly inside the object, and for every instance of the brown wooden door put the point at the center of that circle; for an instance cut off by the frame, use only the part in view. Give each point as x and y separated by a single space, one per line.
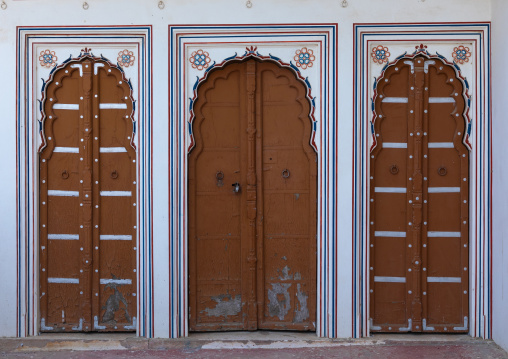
419 269
252 250
88 201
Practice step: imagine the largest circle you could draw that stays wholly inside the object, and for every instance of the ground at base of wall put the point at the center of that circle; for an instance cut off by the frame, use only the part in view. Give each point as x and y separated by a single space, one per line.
249 345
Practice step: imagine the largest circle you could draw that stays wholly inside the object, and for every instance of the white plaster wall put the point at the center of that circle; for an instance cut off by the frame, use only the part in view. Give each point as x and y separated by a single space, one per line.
500 172
125 12
8 180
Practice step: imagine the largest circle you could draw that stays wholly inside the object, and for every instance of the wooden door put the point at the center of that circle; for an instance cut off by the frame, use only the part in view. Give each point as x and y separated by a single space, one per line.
419 268
88 201
252 202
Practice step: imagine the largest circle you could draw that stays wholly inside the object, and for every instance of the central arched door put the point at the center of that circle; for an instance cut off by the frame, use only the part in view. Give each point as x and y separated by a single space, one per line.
252 202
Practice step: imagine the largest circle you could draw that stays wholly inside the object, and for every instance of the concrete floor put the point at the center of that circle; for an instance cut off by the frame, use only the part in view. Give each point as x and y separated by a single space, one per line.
260 344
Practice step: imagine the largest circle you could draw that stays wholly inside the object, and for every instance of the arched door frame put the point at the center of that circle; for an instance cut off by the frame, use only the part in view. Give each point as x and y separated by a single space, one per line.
183 43
420 53
443 37
310 151
30 76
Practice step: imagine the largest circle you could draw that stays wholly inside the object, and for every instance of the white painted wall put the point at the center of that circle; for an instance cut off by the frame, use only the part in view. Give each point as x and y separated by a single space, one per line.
500 172
116 12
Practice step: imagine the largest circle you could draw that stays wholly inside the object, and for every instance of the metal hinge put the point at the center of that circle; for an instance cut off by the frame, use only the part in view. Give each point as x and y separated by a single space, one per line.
408 329
462 328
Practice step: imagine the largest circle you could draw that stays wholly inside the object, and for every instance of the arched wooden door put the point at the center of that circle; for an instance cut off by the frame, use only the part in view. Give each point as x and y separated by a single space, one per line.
88 201
252 202
419 267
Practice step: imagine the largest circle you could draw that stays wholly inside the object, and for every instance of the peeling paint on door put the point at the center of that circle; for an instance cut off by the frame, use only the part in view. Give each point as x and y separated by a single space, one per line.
226 305
302 313
279 300
113 305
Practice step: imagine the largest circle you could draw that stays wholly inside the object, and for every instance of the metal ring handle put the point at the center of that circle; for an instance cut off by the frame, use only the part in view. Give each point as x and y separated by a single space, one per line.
219 175
65 174
114 174
442 171
285 173
394 169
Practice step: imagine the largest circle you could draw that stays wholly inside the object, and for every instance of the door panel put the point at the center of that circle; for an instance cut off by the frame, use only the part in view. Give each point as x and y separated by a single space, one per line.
419 200
257 269
88 201
217 297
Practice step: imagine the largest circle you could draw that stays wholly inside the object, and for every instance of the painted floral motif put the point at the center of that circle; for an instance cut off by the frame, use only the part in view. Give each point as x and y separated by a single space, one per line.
200 59
461 54
380 54
48 58
304 58
126 58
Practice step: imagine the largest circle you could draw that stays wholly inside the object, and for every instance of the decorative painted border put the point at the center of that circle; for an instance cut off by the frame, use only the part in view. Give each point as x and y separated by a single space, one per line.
421 50
253 53
27 130
365 35
276 37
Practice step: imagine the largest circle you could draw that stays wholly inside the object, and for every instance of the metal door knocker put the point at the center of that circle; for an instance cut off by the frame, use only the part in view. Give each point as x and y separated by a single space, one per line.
285 173
220 176
114 174
442 171
65 174
394 169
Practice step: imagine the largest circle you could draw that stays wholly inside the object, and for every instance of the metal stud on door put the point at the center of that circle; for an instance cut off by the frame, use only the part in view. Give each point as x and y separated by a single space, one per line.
252 202
419 200
87 200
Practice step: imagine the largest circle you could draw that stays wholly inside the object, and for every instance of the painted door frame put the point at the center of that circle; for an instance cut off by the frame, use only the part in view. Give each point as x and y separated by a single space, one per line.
30 41
432 35
220 44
